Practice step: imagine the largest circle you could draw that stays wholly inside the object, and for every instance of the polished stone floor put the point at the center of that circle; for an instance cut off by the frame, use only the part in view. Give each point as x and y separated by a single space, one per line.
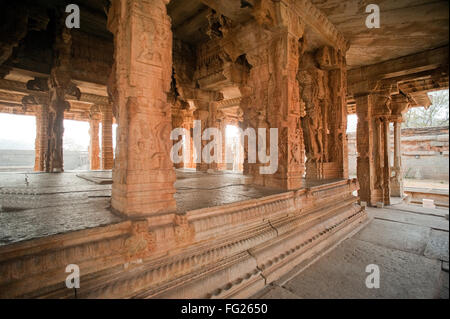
35 205
409 244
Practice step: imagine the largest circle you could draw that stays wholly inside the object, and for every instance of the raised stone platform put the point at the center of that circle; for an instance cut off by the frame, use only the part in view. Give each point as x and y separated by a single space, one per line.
36 205
228 239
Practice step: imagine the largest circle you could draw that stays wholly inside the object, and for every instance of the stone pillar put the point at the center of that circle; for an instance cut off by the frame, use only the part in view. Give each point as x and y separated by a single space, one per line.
94 145
386 165
270 99
143 173
54 158
323 87
365 144
107 144
201 115
43 135
372 109
59 83
397 178
178 121
223 128
191 163
37 142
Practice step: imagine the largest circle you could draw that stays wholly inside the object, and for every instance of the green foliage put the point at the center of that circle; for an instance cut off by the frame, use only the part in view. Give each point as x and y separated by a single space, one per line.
435 115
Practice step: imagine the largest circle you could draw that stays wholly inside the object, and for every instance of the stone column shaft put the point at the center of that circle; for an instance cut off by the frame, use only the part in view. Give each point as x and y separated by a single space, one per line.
397 178
201 115
372 144
143 173
55 132
43 135
387 166
270 99
37 143
107 143
94 145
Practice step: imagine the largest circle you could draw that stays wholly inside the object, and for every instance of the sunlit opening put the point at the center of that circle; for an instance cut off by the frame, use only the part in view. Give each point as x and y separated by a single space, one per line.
234 148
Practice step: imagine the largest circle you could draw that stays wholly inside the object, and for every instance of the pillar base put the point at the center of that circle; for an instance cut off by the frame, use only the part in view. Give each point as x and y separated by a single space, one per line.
320 171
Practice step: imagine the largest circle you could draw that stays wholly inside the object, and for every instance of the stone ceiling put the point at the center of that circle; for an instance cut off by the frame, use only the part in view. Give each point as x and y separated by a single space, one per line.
406 27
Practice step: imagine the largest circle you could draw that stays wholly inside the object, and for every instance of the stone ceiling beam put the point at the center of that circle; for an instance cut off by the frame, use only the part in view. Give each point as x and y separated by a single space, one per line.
425 61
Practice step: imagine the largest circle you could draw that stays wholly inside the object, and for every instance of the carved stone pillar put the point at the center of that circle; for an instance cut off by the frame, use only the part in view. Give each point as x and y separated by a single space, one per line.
37 142
400 105
323 88
397 177
386 165
201 115
94 145
143 174
191 163
59 83
365 145
43 142
223 127
372 147
179 120
270 99
54 159
107 144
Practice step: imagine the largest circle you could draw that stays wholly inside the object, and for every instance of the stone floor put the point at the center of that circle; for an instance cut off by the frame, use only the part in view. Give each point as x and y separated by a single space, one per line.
409 244
35 205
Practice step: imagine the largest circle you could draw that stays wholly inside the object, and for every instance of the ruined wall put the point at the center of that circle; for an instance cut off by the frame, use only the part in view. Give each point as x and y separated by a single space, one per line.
424 153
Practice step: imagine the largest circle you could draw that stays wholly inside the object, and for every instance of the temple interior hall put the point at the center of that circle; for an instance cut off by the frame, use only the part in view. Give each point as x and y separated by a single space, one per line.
213 148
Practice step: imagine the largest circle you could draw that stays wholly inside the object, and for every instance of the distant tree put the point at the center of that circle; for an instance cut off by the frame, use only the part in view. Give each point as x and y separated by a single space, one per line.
437 114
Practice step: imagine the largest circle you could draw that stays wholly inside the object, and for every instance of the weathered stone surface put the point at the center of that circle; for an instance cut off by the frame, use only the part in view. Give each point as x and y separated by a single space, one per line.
408 238
402 274
437 246
407 217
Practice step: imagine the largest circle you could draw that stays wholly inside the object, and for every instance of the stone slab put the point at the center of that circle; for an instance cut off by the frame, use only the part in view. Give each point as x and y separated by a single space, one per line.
411 218
420 210
276 292
437 246
395 235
